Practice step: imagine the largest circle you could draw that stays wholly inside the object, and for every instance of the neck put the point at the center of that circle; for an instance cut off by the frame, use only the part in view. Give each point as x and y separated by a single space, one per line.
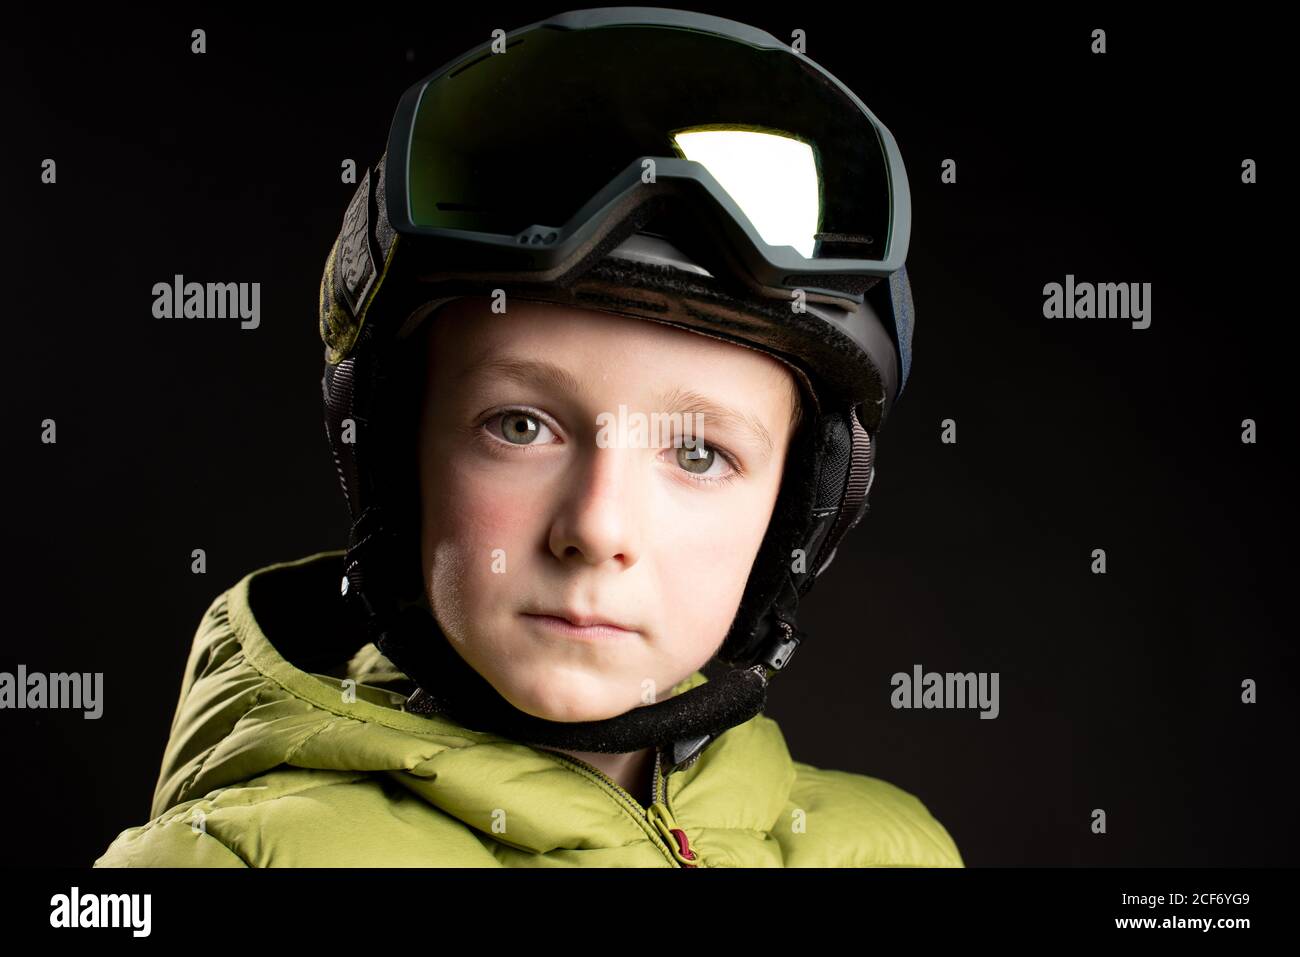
632 770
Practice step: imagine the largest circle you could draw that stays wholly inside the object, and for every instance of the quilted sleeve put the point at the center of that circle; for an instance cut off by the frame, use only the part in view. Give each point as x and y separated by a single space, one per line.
169 841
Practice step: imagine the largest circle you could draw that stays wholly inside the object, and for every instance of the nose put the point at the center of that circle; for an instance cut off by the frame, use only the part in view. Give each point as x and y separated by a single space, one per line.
601 518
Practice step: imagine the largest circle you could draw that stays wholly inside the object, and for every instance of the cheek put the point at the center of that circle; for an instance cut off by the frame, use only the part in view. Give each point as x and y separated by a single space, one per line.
463 500
469 528
721 534
705 564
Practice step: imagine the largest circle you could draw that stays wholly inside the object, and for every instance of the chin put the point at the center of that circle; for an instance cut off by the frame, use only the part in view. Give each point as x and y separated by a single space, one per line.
571 702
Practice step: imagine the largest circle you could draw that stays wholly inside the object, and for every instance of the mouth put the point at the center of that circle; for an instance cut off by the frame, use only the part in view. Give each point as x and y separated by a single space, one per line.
574 625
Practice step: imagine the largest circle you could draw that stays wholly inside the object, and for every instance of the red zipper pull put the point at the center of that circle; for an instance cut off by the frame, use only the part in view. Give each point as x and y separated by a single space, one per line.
684 845
672 834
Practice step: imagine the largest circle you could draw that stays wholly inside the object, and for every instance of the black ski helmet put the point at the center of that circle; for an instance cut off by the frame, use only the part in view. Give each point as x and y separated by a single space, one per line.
547 164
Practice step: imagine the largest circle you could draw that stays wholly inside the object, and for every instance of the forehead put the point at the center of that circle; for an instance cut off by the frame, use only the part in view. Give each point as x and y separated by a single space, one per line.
465 334
603 357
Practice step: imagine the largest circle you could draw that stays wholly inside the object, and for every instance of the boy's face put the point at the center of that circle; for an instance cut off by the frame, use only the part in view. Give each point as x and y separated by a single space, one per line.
529 507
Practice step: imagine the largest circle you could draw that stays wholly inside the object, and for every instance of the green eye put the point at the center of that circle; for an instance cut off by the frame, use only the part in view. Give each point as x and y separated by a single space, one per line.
694 457
698 459
519 428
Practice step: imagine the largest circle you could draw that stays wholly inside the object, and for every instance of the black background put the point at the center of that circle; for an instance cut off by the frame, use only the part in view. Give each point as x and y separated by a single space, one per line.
1118 691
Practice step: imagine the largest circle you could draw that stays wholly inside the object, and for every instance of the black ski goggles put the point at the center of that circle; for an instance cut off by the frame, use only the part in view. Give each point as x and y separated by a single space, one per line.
521 161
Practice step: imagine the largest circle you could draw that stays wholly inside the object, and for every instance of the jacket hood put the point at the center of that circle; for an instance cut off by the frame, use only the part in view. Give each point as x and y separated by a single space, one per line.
283 700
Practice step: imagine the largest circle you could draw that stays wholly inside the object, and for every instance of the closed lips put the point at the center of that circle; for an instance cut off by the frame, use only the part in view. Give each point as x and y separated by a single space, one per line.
582 621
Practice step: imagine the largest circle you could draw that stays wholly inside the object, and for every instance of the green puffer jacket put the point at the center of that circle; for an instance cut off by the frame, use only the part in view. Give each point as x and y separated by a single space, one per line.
275 759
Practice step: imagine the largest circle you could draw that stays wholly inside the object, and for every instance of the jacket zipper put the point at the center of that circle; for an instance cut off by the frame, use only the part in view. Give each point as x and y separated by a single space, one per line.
672 836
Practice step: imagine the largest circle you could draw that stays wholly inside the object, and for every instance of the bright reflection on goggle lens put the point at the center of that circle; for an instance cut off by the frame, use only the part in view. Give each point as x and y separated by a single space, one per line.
772 178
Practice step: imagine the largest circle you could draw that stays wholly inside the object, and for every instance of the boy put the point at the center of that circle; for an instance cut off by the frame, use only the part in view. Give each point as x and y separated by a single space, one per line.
540 590
648 540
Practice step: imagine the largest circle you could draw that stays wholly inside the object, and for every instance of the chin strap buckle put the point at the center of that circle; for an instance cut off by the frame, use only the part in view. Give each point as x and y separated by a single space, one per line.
421 702
782 649
682 754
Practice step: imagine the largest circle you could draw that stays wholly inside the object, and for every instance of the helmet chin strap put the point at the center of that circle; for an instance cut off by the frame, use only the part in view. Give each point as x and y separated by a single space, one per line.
683 724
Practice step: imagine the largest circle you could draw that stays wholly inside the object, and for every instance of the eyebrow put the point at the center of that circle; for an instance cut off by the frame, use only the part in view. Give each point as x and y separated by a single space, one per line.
686 401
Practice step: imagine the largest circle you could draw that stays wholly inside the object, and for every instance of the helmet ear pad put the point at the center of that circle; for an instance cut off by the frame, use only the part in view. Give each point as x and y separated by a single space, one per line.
807 506
388 429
